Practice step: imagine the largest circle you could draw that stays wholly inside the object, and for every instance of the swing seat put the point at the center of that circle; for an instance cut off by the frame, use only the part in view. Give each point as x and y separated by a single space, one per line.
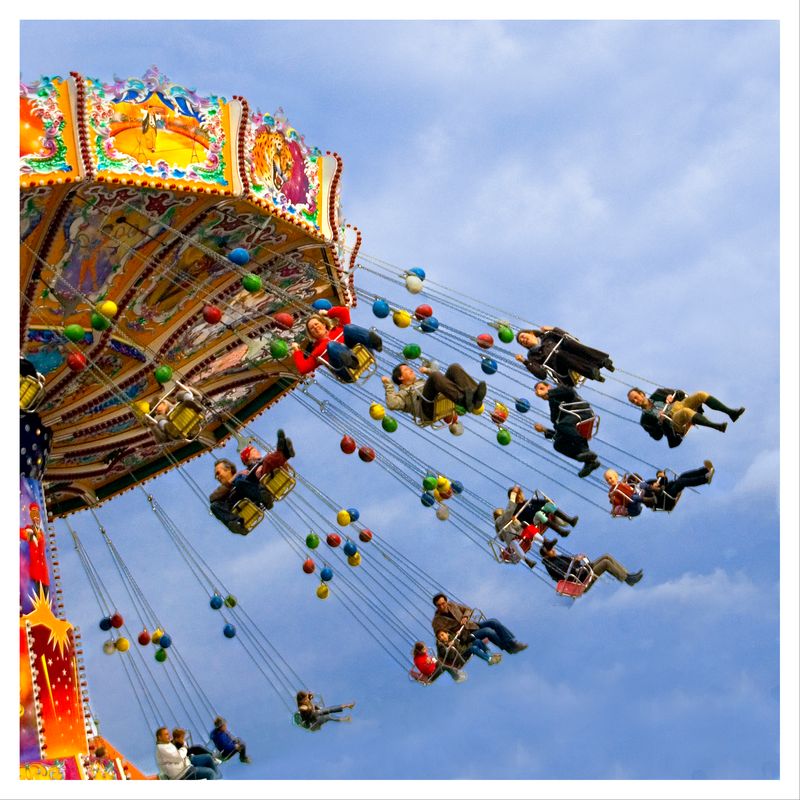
503 554
571 585
569 588
298 720
184 421
279 482
585 426
424 680
250 514
443 409
364 368
31 392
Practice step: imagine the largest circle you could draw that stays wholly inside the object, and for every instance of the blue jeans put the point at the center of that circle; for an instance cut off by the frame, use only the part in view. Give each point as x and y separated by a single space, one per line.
353 335
496 633
479 648
201 771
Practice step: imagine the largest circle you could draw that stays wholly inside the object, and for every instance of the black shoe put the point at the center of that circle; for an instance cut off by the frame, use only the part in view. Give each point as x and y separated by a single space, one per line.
634 578
265 499
588 469
530 562
238 527
586 455
348 359
598 377
375 342
608 365
479 394
245 759
572 521
285 445
722 427
549 544
563 532
517 647
734 415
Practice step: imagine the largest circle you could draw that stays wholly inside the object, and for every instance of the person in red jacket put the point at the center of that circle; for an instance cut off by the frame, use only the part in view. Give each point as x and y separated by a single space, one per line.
33 534
430 668
330 337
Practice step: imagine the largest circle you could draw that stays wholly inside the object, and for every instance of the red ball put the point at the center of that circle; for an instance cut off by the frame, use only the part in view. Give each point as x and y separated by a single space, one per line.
76 362
308 566
284 319
484 340
498 417
333 539
365 535
348 444
423 312
116 620
144 638
366 454
212 315
451 419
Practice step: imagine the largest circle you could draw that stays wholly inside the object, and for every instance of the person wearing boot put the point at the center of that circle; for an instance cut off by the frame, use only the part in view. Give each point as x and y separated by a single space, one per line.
662 494
671 412
541 511
558 566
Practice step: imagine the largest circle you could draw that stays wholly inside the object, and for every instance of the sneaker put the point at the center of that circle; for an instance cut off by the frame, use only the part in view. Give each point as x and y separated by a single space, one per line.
478 395
285 445
588 469
736 413
375 342
495 658
709 471
634 578
459 676
517 647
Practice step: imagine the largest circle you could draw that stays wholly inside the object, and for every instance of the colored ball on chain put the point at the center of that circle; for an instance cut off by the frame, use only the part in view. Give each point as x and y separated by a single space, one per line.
122 644
365 535
161 656
284 320
457 487
251 282
278 349
484 340
105 624
401 318
429 325
442 513
489 366
74 332
163 373
108 308
157 634
215 602
99 321
312 541
350 548
389 424
479 410
427 499
343 518
322 304
413 284
380 308
457 428
116 620
419 272
446 494
499 414
505 334
211 314
366 454
309 566
503 436
326 574
429 483
165 641
412 350
437 495
143 406
522 405
423 311
354 514
143 638
442 482
76 362
229 631
333 539
239 256
377 411
348 445
109 647
354 560
230 601
322 591
460 410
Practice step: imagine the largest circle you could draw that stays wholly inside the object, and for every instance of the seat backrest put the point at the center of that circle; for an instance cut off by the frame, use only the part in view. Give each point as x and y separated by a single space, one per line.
250 513
280 482
569 588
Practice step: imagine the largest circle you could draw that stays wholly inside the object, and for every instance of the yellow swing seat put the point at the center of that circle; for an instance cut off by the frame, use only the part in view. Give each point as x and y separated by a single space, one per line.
279 482
250 514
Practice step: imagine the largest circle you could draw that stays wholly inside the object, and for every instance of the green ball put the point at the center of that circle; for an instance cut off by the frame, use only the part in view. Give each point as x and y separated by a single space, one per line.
461 411
161 655
74 333
412 351
99 322
429 483
505 335
278 349
251 282
312 541
163 373
230 601
389 424
503 436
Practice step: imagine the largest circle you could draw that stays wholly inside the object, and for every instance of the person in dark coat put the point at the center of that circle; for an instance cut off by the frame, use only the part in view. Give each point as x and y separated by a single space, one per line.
313 716
554 353
662 494
539 511
564 433
452 618
226 744
558 566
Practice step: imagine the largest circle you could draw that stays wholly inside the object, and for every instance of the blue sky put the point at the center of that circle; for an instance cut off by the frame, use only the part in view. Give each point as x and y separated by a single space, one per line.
618 179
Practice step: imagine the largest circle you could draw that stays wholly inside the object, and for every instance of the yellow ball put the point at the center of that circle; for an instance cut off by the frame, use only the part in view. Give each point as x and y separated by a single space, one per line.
156 637
322 591
354 560
143 406
479 411
343 518
122 644
401 318
442 484
377 411
108 308
437 496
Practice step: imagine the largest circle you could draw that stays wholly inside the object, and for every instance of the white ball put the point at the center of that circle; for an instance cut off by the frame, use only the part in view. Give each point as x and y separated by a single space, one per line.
442 513
456 429
109 647
413 284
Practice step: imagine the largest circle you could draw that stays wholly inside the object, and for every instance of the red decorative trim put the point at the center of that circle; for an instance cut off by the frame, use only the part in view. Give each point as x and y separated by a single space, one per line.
82 127
240 139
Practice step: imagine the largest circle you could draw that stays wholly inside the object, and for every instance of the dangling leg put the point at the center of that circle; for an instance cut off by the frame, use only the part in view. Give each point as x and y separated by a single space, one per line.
355 334
705 422
718 405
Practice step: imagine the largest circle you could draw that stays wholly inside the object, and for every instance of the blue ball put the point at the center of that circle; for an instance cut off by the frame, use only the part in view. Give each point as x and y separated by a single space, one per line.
489 366
326 574
380 308
105 624
229 631
322 304
215 602
427 499
165 641
457 487
350 548
522 405
354 515
429 325
239 256
419 272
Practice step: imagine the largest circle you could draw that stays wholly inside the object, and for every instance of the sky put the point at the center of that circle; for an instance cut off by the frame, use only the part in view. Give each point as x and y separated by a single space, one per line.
617 179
